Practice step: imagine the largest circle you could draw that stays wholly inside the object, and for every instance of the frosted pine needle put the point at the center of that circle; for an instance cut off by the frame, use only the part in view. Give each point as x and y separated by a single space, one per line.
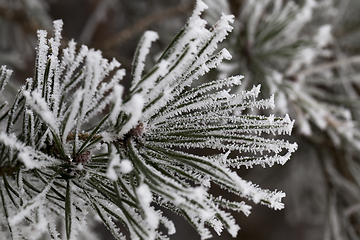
135 158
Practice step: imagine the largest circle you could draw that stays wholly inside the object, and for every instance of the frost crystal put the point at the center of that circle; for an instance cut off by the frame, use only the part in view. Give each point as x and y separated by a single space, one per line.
135 157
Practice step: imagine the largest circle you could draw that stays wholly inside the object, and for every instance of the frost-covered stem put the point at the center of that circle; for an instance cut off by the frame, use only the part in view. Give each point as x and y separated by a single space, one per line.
132 153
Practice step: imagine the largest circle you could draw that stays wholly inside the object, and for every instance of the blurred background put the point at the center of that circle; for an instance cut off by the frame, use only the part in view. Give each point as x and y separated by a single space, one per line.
305 52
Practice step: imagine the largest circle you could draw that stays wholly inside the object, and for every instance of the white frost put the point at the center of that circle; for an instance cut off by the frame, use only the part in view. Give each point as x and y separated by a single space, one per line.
324 36
117 99
28 161
134 108
124 165
39 105
74 108
145 198
142 51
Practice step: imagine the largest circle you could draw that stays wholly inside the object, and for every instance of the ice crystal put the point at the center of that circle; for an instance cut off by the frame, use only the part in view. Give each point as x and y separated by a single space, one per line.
65 163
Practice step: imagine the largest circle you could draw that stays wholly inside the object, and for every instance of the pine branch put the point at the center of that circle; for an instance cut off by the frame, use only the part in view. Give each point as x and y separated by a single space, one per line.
57 157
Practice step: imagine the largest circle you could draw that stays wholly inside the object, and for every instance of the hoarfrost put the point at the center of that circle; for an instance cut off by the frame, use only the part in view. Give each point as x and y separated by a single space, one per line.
117 99
41 62
5 75
324 36
40 106
124 165
72 120
134 109
27 160
140 55
145 198
143 135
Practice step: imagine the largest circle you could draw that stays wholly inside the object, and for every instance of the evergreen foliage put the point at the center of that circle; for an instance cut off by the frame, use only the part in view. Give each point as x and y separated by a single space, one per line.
305 53
72 145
